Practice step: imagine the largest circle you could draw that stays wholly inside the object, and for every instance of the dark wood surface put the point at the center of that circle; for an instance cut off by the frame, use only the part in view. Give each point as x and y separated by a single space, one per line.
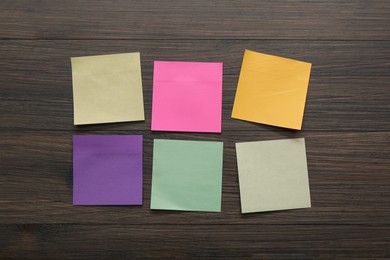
346 126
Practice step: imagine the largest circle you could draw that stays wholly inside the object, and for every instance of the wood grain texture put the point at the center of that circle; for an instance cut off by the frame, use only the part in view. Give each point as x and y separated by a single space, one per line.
201 19
206 241
346 126
346 86
345 187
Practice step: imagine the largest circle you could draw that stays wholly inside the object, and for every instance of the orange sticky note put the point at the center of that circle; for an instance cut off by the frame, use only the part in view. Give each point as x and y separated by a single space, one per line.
272 90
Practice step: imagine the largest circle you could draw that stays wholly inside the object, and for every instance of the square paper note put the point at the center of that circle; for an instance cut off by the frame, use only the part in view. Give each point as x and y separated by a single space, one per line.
187 96
272 90
273 175
107 170
107 89
187 175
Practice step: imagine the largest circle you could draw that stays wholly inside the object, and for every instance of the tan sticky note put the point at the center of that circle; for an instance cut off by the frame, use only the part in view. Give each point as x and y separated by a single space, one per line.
107 89
272 90
273 175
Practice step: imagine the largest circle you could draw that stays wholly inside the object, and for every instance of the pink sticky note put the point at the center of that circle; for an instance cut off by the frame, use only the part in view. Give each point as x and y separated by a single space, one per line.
187 96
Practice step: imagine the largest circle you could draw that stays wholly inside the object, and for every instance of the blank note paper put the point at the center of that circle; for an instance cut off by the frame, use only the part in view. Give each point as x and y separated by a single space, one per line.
272 90
107 170
273 175
187 175
107 89
187 96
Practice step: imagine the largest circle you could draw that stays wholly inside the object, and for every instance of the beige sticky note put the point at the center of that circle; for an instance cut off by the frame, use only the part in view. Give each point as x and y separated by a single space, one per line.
107 89
273 175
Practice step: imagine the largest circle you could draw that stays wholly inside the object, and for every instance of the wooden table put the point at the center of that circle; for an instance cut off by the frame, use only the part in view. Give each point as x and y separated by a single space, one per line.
346 126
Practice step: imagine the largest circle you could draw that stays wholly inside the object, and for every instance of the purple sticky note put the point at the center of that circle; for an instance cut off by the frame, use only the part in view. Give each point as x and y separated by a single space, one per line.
107 170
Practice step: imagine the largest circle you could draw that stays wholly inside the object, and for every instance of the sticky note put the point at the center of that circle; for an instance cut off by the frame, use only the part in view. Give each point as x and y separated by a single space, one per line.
273 175
107 170
107 89
187 175
187 96
272 90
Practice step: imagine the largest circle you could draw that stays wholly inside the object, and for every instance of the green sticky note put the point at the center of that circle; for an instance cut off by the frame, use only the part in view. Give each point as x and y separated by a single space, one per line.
273 175
187 175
